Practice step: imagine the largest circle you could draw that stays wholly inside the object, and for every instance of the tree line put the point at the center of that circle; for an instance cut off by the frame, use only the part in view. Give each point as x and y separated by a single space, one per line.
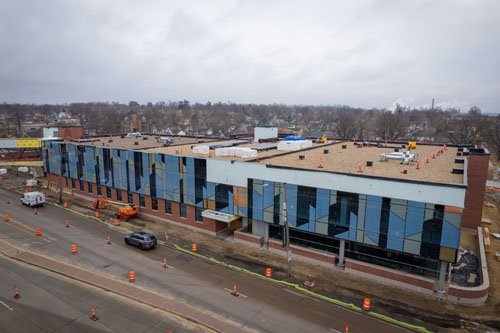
403 123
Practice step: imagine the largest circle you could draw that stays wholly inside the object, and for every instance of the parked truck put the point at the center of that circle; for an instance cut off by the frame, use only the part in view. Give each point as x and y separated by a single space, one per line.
33 199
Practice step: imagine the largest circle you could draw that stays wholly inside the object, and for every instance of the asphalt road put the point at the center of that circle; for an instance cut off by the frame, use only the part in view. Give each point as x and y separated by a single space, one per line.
263 306
51 303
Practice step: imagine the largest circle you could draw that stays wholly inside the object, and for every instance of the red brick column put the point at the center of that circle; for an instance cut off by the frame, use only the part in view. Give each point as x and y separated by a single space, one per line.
477 172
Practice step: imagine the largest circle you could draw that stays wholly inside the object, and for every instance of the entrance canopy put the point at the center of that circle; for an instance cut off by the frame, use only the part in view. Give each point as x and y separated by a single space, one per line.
215 215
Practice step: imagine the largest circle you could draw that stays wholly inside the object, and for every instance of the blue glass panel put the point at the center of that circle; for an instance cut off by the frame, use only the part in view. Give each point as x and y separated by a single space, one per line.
190 180
372 217
395 234
450 236
414 217
291 204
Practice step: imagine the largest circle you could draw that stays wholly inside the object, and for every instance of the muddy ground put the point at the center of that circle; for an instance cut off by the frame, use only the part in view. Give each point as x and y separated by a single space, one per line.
403 305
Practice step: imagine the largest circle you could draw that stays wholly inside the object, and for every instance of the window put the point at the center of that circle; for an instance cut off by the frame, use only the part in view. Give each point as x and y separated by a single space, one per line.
154 204
142 201
81 185
90 187
99 189
130 198
198 217
108 192
168 206
119 195
182 209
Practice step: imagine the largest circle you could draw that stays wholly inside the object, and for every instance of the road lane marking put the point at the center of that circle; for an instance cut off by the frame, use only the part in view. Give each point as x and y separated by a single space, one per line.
28 230
8 307
239 294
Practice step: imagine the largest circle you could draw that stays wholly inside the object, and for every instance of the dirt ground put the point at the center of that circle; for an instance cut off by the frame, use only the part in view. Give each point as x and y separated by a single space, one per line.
403 305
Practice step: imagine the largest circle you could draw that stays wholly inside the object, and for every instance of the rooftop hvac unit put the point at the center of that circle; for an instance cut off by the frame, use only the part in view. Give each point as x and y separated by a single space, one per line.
165 140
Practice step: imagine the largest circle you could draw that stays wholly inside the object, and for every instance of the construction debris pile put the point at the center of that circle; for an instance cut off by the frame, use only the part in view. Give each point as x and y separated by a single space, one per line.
465 272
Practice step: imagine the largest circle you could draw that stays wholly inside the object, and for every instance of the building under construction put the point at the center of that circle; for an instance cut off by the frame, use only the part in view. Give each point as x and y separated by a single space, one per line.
376 208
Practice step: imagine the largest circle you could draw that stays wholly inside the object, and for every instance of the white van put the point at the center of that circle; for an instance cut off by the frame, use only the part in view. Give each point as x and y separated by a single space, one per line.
33 199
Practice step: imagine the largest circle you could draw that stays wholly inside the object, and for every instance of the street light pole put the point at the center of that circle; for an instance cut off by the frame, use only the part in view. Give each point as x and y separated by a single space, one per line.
287 234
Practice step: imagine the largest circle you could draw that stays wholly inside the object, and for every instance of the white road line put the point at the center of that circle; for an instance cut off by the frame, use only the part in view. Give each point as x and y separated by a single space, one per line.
8 307
231 291
334 330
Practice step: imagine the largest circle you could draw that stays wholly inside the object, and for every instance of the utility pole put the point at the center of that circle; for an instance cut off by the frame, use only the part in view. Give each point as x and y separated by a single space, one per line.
60 177
286 234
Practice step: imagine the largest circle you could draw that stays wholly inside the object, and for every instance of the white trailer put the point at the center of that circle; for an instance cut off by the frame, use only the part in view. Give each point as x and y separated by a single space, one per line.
33 199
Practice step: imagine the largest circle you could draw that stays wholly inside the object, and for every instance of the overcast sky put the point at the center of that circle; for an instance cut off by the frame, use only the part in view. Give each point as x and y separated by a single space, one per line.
360 53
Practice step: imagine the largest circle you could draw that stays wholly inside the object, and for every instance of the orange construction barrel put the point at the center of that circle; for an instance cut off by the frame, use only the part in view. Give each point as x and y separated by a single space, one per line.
97 214
65 205
6 217
38 231
194 248
268 272
131 276
73 248
366 304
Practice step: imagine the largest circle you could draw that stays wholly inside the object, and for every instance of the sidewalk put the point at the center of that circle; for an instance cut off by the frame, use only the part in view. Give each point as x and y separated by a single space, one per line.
128 290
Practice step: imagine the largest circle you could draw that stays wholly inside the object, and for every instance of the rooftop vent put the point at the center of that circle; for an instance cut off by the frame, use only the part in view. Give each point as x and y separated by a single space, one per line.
145 138
458 160
136 143
344 146
122 136
369 163
325 151
459 154
110 140
396 150
302 157
457 171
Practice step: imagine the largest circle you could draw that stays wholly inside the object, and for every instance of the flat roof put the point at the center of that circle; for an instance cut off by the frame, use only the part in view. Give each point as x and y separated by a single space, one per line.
438 170
143 142
337 159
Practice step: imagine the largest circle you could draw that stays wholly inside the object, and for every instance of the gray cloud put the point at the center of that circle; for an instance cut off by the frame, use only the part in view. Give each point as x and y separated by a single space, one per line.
366 54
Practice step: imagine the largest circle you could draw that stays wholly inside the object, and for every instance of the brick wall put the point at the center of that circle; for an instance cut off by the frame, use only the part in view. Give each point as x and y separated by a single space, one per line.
477 172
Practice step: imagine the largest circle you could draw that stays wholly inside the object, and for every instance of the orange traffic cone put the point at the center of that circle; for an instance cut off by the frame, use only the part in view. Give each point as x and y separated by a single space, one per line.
38 231
418 165
65 205
117 222
73 248
97 215
321 166
194 248
165 262
427 159
35 211
93 316
16 293
6 217
359 167
234 293
66 224
346 328
108 241
268 272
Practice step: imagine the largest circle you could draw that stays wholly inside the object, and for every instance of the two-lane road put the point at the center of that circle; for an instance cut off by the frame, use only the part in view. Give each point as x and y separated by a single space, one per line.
267 307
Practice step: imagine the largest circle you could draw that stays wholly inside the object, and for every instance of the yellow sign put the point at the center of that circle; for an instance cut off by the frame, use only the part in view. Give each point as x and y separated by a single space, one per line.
28 143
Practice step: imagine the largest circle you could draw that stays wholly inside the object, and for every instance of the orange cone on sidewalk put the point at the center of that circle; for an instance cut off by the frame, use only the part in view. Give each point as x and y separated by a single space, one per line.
366 304
65 205
131 276
359 167
74 250
6 217
268 272
117 222
93 316
194 248
16 293
418 165
97 215
38 231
